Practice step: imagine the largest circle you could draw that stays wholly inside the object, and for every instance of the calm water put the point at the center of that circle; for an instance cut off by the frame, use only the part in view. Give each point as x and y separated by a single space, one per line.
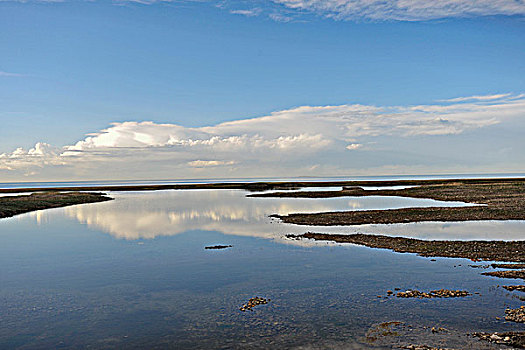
133 273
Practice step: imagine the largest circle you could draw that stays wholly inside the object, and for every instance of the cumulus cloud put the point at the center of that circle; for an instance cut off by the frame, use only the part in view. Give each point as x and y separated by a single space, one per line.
41 155
297 139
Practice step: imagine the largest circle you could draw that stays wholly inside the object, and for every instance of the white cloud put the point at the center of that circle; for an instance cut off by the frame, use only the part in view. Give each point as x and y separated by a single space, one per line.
354 146
478 98
286 141
248 13
40 156
406 10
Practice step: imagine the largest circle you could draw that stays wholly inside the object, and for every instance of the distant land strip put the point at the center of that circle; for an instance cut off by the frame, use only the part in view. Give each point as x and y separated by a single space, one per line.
262 186
14 205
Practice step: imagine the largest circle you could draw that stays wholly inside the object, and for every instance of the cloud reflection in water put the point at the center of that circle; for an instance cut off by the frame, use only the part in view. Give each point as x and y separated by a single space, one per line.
146 215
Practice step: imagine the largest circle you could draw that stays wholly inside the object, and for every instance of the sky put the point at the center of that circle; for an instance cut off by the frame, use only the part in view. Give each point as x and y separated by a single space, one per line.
173 89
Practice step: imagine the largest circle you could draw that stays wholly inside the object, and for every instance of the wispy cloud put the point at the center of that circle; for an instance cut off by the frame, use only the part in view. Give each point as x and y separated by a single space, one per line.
479 98
248 13
405 10
306 139
8 74
375 10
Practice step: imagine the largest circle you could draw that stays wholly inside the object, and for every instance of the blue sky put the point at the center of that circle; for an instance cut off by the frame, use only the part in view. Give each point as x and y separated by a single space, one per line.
74 67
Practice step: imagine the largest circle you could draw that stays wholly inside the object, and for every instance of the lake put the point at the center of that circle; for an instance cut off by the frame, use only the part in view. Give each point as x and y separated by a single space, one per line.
133 273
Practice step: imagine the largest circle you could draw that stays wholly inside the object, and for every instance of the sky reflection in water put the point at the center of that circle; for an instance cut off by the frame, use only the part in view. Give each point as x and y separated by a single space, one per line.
146 215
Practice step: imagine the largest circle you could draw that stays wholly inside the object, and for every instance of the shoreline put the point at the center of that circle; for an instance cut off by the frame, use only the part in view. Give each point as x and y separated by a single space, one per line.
16 205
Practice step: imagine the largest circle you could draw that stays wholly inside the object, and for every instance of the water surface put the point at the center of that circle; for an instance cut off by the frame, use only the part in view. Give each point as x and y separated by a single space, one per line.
133 273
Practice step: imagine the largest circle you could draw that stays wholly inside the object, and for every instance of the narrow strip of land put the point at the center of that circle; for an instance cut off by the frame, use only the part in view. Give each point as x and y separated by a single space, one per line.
513 251
500 199
10 206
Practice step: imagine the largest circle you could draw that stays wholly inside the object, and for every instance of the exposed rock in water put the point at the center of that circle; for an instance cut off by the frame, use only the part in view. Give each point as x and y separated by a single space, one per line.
218 247
515 315
253 302
515 339
441 293
520 288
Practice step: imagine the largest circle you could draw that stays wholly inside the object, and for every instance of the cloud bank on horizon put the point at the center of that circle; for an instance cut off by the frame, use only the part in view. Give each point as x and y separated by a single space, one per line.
308 140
